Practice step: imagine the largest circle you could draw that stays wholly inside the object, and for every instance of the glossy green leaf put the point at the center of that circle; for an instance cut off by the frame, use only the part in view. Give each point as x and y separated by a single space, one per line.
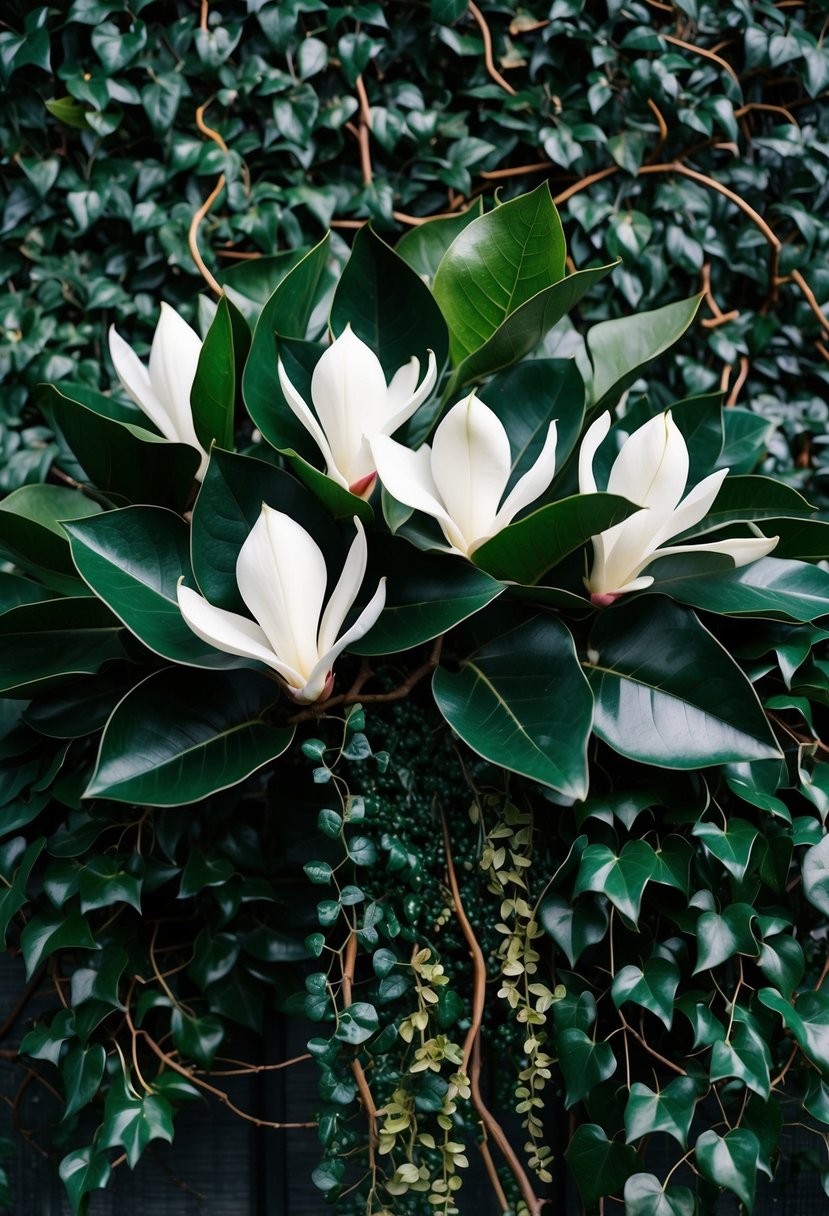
49 931
808 1020
782 963
722 935
496 264
652 986
250 284
521 701
771 587
133 559
357 1023
53 642
13 896
816 875
179 737
621 877
388 306
731 1161
745 1055
82 1071
527 398
746 439
131 1122
751 498
423 246
805 540
573 926
81 1172
32 537
15 590
731 845
756 782
646 1196
600 1166
584 1062
124 459
524 551
426 594
667 693
340 502
219 375
668 1110
620 348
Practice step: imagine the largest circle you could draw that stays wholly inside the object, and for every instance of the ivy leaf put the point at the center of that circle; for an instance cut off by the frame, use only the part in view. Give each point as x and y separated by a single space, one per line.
600 1166
49 931
731 845
621 877
646 1196
573 926
816 875
720 937
668 1110
652 986
731 1161
808 1020
584 1062
83 1171
744 1055
82 1071
131 1122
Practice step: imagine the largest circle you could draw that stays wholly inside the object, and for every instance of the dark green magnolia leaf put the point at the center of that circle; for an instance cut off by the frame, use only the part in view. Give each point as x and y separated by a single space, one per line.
527 398
621 877
816 875
82 1071
495 265
32 537
81 1172
133 559
721 936
750 498
667 693
426 594
646 1196
388 306
573 926
651 986
521 701
668 1110
600 1166
131 1122
219 375
77 709
15 590
770 587
423 247
179 737
524 551
49 931
125 459
808 1020
584 1063
620 348
525 326
746 439
54 642
250 284
745 1055
805 540
357 1023
731 1161
731 845
229 504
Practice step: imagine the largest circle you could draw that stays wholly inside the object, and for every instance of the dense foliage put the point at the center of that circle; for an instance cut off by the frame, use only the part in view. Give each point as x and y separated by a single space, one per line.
595 829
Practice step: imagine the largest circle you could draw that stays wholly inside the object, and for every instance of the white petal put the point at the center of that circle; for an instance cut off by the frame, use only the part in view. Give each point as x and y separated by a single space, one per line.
345 592
471 466
228 631
533 483
174 356
348 389
403 383
282 577
407 476
364 622
135 380
741 550
400 411
694 506
636 584
593 439
303 413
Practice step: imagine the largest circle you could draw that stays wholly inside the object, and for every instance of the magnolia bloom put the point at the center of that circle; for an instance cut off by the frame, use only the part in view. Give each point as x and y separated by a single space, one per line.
461 479
652 469
353 403
282 578
162 391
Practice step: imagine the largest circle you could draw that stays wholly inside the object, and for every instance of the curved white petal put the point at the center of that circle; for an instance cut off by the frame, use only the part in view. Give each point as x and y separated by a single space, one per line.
652 466
596 580
345 592
471 466
400 411
228 631
403 383
174 356
625 550
636 584
593 439
135 380
300 408
741 550
282 577
407 476
533 483
319 675
348 390
693 508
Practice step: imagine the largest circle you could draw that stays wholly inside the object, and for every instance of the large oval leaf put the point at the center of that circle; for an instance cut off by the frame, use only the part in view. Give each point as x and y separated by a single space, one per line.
133 559
522 701
219 375
667 693
423 247
34 539
179 737
771 587
55 641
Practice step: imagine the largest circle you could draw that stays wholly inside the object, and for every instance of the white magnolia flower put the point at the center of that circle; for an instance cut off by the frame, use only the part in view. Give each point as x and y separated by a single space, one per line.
652 469
461 479
282 578
162 391
353 403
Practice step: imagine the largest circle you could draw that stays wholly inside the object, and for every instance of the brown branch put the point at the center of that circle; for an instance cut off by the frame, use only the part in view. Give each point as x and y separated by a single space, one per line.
584 183
488 60
203 19
700 50
363 132
195 223
642 1041
349 962
496 1132
739 382
765 105
663 128
811 299
248 1069
492 175
492 1174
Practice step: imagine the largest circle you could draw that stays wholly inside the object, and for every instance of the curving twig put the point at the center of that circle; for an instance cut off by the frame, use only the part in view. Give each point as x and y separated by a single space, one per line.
357 1069
195 223
700 50
488 60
